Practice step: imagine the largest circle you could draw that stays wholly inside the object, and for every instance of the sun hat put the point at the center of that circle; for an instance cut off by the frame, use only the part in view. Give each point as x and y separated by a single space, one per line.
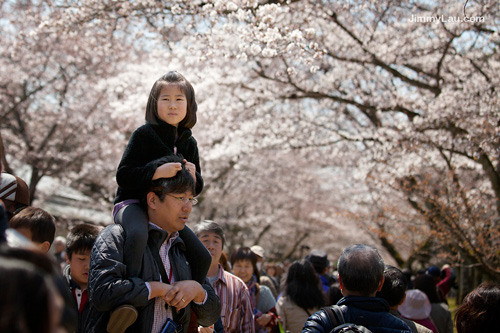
258 250
416 305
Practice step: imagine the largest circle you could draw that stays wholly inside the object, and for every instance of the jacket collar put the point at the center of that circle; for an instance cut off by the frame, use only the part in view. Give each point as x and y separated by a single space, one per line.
159 236
374 304
168 133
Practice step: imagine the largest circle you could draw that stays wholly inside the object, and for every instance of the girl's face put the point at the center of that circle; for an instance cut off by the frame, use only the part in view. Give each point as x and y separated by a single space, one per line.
243 269
172 104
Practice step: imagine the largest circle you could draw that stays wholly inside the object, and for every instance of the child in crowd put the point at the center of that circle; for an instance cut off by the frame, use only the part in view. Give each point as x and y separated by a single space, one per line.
36 225
170 115
79 244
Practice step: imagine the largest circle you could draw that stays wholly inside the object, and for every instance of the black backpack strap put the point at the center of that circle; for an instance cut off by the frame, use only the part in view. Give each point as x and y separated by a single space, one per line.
338 313
334 315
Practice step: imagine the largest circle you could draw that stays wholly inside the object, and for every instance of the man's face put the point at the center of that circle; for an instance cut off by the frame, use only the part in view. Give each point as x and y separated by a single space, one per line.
172 214
79 264
213 243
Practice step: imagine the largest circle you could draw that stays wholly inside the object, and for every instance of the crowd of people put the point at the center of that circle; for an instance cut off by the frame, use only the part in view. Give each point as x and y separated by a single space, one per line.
150 272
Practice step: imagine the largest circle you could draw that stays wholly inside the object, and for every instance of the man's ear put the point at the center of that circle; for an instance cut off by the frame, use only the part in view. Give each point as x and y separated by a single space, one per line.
341 285
151 199
381 284
44 247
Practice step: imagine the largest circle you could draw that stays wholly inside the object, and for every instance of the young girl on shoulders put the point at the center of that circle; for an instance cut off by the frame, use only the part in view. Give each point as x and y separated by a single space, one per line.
170 115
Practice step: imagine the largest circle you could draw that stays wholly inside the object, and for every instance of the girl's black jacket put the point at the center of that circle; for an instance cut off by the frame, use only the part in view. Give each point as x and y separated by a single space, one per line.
144 152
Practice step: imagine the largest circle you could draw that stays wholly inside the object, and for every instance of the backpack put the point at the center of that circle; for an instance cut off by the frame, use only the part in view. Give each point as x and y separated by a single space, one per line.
338 322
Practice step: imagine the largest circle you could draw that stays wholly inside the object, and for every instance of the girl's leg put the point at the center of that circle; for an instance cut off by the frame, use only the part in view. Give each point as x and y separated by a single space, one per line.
196 254
135 223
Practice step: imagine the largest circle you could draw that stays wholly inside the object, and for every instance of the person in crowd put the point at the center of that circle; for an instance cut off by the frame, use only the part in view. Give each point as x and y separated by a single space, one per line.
265 280
170 116
334 294
237 312
303 296
29 301
361 275
416 307
446 282
479 311
59 246
319 260
409 277
440 313
435 272
14 193
79 243
165 277
37 225
394 292
44 265
271 271
244 264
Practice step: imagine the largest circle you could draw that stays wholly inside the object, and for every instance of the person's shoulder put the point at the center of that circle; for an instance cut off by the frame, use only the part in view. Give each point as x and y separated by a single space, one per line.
318 322
265 291
236 281
112 231
146 128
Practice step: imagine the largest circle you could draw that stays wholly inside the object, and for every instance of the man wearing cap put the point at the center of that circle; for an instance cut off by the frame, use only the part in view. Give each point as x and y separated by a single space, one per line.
264 278
237 312
361 275
14 193
319 260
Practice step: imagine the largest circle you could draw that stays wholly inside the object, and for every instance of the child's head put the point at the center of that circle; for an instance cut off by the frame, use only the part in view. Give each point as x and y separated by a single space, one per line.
35 224
177 83
79 244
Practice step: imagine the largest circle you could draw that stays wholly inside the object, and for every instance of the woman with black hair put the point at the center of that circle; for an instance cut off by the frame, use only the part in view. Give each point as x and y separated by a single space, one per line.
244 263
303 296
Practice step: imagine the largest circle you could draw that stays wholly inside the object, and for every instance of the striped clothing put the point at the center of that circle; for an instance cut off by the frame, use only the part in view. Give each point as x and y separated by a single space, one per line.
161 311
236 313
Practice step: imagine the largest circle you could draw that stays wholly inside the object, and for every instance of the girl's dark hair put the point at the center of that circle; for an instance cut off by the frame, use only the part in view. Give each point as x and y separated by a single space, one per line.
479 310
81 238
303 286
25 301
179 80
244 253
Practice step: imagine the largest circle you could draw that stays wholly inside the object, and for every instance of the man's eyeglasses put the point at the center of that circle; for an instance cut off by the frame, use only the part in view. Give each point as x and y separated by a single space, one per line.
185 200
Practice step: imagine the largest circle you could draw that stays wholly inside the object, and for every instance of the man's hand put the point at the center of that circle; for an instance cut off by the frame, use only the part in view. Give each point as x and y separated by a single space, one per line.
264 319
206 329
183 292
167 170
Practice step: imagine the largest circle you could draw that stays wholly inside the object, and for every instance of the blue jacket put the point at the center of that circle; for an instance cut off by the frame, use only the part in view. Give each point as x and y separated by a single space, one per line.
371 312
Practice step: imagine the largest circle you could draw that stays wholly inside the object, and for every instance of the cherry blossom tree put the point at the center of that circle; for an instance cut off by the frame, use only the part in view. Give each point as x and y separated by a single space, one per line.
325 122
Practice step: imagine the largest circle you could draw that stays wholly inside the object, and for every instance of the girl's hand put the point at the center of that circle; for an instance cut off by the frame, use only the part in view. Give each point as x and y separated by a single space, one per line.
167 170
206 329
264 319
191 168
